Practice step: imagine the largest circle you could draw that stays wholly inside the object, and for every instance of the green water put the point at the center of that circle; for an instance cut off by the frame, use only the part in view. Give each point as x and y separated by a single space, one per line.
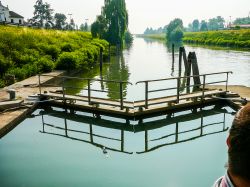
149 59
40 152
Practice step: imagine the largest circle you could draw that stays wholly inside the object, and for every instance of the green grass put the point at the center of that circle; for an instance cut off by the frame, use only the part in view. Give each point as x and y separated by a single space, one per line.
229 38
226 38
153 36
25 52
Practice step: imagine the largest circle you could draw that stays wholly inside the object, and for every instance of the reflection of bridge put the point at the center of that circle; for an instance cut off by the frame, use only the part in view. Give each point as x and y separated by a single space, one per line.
66 130
172 98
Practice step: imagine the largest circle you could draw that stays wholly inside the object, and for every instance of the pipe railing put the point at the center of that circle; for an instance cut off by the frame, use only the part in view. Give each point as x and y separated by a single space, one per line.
178 79
88 89
146 82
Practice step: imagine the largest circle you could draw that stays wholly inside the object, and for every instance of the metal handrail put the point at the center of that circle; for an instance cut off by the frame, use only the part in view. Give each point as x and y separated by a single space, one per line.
100 80
184 77
147 91
88 86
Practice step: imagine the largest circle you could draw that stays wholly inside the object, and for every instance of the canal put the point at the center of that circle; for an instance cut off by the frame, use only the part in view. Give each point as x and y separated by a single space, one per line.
54 147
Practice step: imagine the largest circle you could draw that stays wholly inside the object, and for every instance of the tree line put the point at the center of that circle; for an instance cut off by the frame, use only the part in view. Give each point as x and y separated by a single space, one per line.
44 17
216 23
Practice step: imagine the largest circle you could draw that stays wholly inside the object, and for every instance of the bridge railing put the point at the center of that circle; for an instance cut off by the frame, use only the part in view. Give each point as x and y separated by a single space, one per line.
178 85
89 89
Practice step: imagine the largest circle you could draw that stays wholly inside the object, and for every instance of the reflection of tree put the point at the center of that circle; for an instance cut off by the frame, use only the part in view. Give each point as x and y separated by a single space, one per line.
177 46
118 71
81 84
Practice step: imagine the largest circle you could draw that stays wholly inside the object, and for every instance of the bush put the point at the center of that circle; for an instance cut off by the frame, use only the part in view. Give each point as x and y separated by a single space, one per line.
53 51
67 47
4 65
67 61
25 51
19 73
2 84
45 64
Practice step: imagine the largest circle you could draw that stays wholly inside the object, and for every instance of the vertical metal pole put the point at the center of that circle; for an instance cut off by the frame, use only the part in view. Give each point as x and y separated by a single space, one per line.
89 92
66 127
146 95
227 82
173 52
43 122
202 122
101 58
224 121
203 88
121 95
109 54
63 88
178 89
122 140
91 133
176 132
146 140
39 80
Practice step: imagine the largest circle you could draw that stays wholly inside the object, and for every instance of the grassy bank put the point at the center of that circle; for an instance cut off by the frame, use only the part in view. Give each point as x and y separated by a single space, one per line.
229 38
25 52
153 36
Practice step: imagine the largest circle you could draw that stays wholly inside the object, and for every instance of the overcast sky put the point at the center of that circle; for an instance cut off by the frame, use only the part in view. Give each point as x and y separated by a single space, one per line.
142 13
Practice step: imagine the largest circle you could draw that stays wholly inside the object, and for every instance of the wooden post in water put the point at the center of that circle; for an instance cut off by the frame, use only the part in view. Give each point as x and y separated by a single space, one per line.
185 59
173 53
101 58
180 61
188 72
196 73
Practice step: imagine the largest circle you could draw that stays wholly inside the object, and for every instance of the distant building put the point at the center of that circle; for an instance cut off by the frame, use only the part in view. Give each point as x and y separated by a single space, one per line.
8 16
243 26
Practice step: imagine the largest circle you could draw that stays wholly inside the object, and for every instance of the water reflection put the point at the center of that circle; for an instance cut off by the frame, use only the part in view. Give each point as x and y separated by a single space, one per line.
118 70
158 132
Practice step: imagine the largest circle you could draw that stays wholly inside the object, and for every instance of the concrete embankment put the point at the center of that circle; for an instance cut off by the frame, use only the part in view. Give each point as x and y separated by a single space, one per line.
243 91
13 112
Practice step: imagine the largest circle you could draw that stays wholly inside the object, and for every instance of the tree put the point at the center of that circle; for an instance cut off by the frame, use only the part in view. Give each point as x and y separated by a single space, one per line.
240 21
112 23
84 27
173 25
116 15
216 23
99 27
48 15
220 21
42 14
203 26
59 21
196 25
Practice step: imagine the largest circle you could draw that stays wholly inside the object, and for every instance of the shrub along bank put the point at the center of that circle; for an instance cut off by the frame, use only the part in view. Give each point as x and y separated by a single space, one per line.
230 38
25 52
